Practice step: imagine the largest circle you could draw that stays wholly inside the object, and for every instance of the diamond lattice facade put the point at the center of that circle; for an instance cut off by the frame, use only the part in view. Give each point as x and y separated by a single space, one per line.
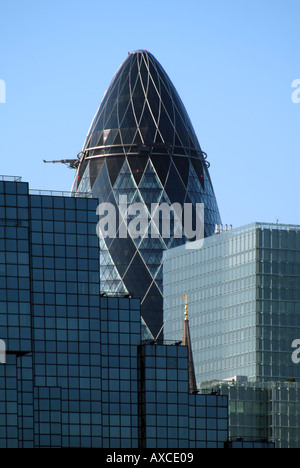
142 144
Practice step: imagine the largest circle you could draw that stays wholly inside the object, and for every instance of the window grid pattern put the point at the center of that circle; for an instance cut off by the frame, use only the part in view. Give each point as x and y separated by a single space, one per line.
248 284
120 337
219 280
49 319
171 417
268 411
278 299
73 373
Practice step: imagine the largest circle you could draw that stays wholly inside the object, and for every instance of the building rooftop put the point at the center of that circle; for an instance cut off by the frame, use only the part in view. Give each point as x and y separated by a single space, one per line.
5 178
232 232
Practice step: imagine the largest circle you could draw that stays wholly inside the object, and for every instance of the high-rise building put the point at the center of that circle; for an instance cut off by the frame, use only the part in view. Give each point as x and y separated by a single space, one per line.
243 289
142 145
77 371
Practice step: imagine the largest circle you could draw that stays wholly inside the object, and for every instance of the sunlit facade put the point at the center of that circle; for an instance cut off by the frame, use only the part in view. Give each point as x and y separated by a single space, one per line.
244 300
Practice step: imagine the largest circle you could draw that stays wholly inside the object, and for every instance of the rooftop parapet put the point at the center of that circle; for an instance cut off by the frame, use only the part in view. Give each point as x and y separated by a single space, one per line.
5 178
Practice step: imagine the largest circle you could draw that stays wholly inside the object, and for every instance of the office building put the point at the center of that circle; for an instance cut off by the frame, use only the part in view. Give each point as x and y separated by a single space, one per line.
80 372
243 289
142 145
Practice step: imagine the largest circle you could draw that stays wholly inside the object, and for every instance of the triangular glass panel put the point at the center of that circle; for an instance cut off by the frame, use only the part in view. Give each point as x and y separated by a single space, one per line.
121 289
114 166
137 165
122 252
151 305
159 142
183 168
99 140
128 135
95 169
153 268
125 179
110 136
138 139
145 332
102 183
137 277
159 275
150 179
148 134
179 149
198 166
162 166
117 140
175 188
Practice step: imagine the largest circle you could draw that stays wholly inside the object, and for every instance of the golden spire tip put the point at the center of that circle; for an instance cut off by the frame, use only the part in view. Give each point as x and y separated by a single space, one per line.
186 314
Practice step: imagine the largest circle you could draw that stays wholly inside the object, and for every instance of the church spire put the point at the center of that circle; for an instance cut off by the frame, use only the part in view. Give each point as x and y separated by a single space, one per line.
186 341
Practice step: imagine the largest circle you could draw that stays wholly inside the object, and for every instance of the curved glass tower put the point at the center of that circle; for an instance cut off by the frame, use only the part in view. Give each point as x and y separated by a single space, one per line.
142 145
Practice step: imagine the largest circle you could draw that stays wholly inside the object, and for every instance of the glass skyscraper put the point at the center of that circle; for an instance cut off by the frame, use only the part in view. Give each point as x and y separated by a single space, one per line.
142 145
244 299
78 371
243 290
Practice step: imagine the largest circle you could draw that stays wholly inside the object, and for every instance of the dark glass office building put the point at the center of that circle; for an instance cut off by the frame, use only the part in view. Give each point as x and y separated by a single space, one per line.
142 144
78 373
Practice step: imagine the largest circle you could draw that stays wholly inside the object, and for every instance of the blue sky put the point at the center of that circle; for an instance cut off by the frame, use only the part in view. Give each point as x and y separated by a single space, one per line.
233 64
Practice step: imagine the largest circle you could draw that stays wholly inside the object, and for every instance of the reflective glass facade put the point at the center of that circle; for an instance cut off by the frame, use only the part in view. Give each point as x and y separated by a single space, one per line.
250 445
262 411
78 373
49 319
244 298
142 144
170 416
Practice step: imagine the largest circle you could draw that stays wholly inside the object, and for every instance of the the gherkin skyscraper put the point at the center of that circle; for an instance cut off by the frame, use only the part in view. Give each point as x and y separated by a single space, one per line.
142 144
